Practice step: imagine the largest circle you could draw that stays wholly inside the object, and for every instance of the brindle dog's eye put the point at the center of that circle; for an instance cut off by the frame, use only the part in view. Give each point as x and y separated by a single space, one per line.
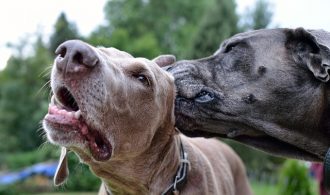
204 97
143 79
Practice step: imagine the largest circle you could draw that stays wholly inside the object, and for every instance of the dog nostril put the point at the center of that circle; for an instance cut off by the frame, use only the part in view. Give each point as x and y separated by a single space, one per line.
79 58
61 51
85 57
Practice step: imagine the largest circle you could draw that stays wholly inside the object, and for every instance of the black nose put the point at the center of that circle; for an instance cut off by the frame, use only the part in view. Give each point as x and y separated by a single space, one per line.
75 56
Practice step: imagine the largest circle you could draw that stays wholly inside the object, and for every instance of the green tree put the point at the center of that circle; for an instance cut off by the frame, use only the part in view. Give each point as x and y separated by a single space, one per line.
23 99
260 166
141 27
63 30
219 23
260 16
21 105
294 179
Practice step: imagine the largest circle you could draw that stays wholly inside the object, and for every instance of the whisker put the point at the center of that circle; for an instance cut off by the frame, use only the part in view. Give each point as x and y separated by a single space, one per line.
43 145
40 129
46 71
50 95
43 87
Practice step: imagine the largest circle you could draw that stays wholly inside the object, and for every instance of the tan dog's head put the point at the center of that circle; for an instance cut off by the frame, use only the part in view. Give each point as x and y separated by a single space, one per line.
107 104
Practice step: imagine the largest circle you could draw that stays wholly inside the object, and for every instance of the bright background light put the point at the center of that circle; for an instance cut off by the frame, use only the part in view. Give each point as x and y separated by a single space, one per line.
23 18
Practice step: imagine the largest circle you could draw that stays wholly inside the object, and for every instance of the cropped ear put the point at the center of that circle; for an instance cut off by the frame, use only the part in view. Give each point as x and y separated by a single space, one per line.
62 171
164 60
312 48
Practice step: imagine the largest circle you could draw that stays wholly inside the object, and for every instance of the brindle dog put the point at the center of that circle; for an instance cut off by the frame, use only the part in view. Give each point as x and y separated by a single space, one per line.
265 88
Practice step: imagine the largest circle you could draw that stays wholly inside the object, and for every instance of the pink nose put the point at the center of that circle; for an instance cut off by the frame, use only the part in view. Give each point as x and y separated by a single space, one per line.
75 56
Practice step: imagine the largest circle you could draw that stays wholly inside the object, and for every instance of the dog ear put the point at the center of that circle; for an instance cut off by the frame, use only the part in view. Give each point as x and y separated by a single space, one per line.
62 171
164 60
312 48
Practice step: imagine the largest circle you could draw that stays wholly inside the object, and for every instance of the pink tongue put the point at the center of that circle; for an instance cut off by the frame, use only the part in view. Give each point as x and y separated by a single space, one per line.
62 116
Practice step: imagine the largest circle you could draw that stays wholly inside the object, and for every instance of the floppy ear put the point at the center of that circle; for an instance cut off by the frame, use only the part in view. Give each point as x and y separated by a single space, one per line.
62 171
312 48
164 60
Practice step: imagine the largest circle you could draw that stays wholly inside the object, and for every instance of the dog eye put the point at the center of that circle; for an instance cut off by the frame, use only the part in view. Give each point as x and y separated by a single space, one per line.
143 79
204 97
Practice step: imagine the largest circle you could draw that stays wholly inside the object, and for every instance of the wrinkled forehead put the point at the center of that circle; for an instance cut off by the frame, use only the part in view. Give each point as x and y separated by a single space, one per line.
114 53
127 62
121 58
257 38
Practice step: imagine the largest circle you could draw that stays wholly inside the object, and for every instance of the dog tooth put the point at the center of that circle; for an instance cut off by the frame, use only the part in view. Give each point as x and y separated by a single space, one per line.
50 108
77 114
52 100
70 114
63 112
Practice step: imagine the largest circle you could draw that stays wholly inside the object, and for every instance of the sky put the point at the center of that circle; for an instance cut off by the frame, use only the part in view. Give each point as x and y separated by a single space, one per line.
20 19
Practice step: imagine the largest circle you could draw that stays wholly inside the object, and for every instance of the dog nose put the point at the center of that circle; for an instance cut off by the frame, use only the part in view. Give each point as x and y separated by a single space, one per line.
75 56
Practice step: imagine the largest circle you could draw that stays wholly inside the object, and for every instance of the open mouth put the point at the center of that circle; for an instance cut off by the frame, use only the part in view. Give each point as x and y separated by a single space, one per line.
66 99
65 116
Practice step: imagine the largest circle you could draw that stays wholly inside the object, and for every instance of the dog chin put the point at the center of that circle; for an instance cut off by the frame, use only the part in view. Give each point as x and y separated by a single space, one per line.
277 147
68 129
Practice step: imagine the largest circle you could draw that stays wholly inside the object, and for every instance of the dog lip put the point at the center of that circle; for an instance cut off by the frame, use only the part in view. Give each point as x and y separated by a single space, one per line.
273 144
99 146
66 121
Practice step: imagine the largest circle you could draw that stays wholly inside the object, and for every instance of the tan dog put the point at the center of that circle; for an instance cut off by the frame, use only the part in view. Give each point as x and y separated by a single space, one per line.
116 113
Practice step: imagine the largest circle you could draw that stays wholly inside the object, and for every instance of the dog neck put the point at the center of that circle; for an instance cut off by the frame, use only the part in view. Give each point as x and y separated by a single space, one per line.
150 172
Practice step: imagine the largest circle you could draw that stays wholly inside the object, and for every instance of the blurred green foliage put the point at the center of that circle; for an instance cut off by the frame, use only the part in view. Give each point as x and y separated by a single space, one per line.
294 179
148 28
22 104
18 160
171 23
80 178
257 17
219 23
259 165
143 28
63 30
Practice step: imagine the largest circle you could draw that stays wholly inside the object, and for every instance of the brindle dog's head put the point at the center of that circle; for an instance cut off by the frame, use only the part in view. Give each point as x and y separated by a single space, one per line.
265 88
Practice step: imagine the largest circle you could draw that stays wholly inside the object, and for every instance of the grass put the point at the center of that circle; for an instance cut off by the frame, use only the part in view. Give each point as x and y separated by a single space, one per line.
263 188
257 188
70 193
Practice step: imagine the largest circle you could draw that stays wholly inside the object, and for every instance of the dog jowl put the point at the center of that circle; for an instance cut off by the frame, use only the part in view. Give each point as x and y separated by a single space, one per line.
265 88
